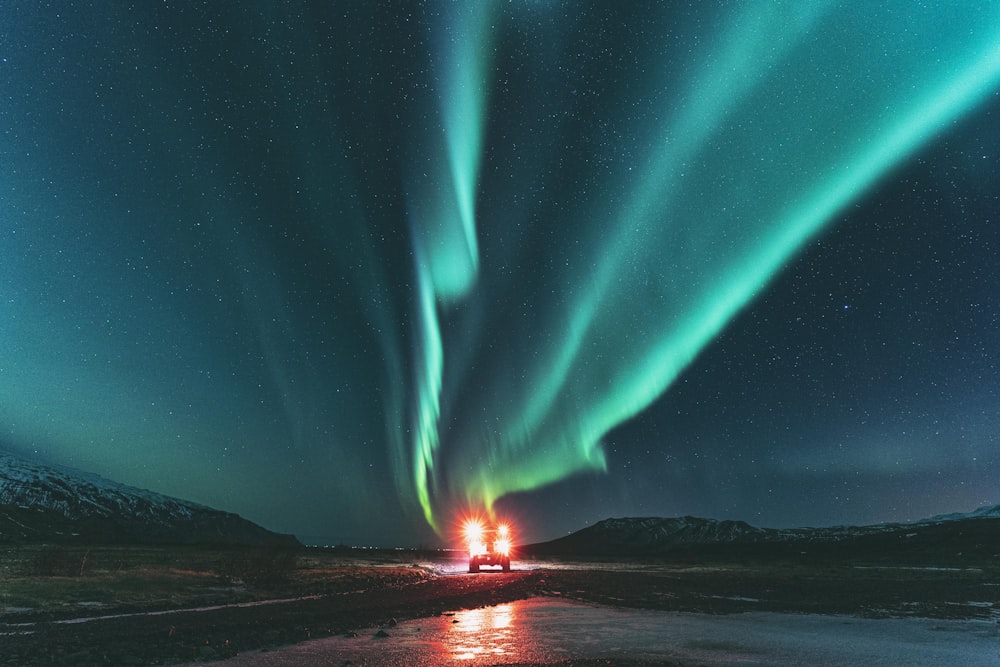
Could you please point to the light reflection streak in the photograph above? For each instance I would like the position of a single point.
(480, 632)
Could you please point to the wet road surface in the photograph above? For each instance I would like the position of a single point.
(544, 630)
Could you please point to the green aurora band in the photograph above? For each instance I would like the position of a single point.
(446, 250)
(791, 114)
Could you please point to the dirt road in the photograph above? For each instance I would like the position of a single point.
(178, 636)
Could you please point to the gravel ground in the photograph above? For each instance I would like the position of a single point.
(182, 636)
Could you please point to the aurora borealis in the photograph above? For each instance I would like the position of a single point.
(348, 270)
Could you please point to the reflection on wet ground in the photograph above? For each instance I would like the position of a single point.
(542, 630)
(481, 633)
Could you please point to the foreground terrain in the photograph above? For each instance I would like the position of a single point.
(160, 605)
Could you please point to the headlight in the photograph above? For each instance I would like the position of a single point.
(473, 531)
(502, 546)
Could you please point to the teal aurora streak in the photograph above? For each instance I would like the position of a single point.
(337, 266)
(787, 117)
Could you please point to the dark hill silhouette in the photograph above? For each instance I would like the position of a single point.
(41, 503)
(948, 538)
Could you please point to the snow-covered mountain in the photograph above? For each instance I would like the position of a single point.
(976, 533)
(984, 512)
(43, 503)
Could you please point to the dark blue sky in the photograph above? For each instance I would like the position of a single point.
(350, 271)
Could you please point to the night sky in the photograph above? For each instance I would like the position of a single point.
(352, 271)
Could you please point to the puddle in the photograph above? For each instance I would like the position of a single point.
(542, 630)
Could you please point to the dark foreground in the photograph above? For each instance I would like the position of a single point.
(161, 608)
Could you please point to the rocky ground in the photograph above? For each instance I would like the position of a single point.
(368, 598)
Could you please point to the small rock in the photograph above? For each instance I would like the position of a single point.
(381, 634)
(207, 652)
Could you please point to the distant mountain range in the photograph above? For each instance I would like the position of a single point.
(949, 537)
(42, 503)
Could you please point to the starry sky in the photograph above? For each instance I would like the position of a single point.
(353, 270)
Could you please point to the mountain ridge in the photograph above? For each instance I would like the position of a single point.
(42, 502)
(959, 534)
